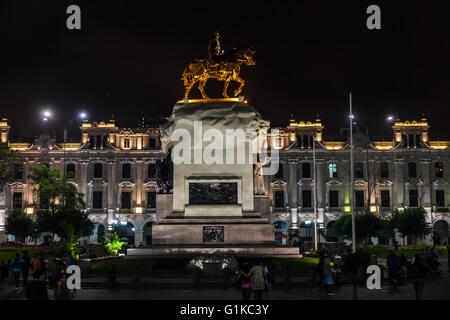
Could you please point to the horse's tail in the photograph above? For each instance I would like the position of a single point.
(186, 76)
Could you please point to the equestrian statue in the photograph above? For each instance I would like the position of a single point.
(220, 66)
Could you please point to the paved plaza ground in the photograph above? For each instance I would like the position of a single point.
(435, 289)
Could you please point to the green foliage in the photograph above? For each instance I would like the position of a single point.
(113, 244)
(411, 222)
(10, 162)
(366, 225)
(50, 187)
(19, 224)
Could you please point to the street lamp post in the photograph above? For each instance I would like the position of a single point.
(315, 191)
(351, 177)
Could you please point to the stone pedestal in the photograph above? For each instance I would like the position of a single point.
(213, 144)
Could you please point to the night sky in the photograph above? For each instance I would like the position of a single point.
(128, 58)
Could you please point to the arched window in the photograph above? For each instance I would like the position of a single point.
(126, 171)
(439, 170)
(332, 168)
(384, 170)
(412, 170)
(359, 170)
(279, 174)
(98, 170)
(70, 170)
(151, 174)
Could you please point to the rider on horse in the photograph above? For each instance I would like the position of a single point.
(214, 51)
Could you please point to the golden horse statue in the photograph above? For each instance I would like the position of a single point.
(225, 68)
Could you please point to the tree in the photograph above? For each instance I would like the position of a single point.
(411, 222)
(19, 224)
(367, 225)
(10, 165)
(113, 243)
(49, 184)
(69, 222)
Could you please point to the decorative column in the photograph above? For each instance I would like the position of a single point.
(321, 190)
(293, 192)
(111, 192)
(399, 186)
(139, 182)
(84, 180)
(425, 188)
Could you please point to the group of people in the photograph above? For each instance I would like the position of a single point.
(254, 279)
(37, 288)
(417, 272)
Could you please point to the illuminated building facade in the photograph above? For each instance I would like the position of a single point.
(117, 171)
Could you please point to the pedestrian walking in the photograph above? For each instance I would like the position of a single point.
(25, 267)
(419, 275)
(36, 264)
(37, 289)
(267, 293)
(16, 265)
(392, 264)
(244, 280)
(258, 280)
(4, 271)
(327, 276)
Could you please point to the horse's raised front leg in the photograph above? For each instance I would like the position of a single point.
(225, 88)
(201, 87)
(242, 82)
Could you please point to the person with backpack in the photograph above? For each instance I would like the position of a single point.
(258, 278)
(244, 280)
(16, 265)
(25, 267)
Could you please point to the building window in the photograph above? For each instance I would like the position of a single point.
(70, 170)
(17, 200)
(279, 174)
(98, 171)
(359, 199)
(439, 170)
(152, 143)
(151, 200)
(18, 172)
(413, 198)
(359, 170)
(92, 142)
(126, 200)
(332, 168)
(279, 199)
(151, 174)
(440, 198)
(385, 199)
(384, 170)
(97, 200)
(126, 143)
(126, 171)
(411, 141)
(412, 170)
(306, 170)
(334, 199)
(306, 199)
(98, 143)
